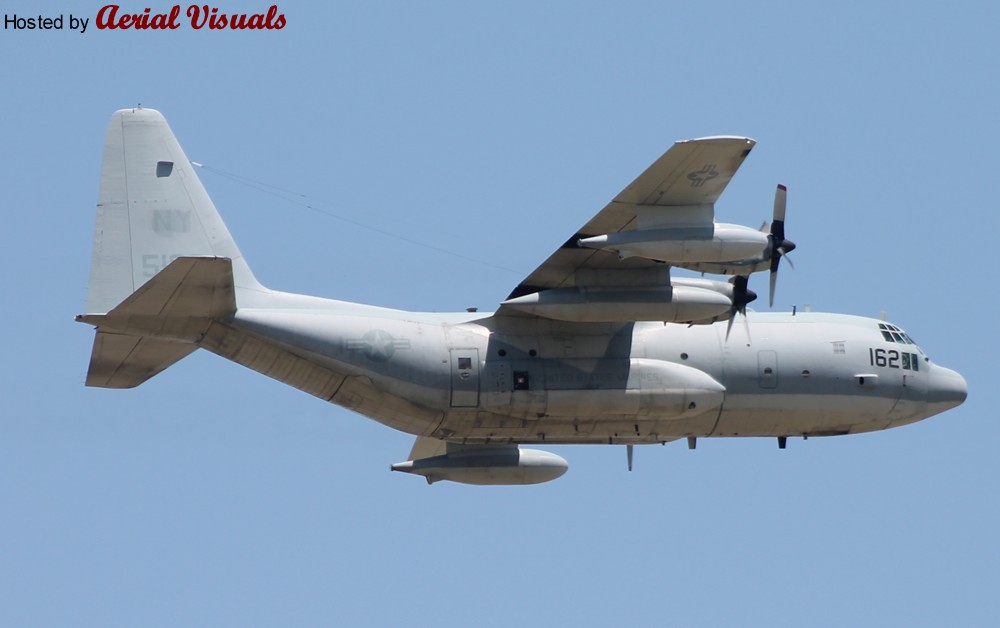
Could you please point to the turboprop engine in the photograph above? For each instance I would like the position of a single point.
(601, 304)
(488, 465)
(777, 247)
(684, 300)
(696, 243)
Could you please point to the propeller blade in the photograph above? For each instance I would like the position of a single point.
(774, 278)
(746, 326)
(780, 246)
(741, 296)
(780, 200)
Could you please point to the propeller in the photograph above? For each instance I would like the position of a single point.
(741, 296)
(780, 246)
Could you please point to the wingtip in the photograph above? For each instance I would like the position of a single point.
(721, 138)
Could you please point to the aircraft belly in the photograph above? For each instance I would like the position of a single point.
(396, 372)
(272, 360)
(485, 428)
(809, 414)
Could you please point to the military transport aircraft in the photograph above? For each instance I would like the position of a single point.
(598, 345)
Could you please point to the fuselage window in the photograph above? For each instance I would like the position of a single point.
(521, 381)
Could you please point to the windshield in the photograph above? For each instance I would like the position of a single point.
(894, 334)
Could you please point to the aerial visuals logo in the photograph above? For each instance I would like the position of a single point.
(199, 16)
(116, 17)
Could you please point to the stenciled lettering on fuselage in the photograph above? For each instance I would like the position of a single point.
(378, 345)
(893, 359)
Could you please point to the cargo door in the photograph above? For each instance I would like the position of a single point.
(464, 378)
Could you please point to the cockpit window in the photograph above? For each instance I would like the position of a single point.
(891, 333)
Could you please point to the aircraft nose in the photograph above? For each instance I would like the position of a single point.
(947, 389)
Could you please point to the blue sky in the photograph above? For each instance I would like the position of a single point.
(480, 136)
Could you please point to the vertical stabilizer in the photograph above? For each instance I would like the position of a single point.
(151, 209)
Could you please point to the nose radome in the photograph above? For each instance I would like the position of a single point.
(947, 389)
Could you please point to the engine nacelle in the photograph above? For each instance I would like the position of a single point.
(719, 243)
(673, 304)
(722, 287)
(492, 465)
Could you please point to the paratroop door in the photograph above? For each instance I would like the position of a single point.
(464, 378)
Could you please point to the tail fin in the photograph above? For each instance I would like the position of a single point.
(151, 210)
(164, 265)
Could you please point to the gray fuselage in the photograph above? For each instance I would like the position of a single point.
(477, 378)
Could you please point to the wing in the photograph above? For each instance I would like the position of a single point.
(679, 189)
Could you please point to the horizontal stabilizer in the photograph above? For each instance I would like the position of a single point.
(177, 303)
(200, 287)
(161, 322)
(121, 361)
